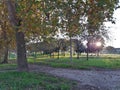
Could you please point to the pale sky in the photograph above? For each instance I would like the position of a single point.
(115, 30)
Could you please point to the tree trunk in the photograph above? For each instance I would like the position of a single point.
(21, 52)
(58, 53)
(63, 53)
(98, 53)
(6, 45)
(78, 55)
(35, 56)
(5, 58)
(20, 41)
(50, 55)
(87, 55)
(70, 48)
(87, 52)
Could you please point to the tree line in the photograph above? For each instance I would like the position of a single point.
(24, 20)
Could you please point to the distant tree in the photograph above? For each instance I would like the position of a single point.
(110, 49)
(70, 13)
(95, 44)
(45, 17)
(62, 45)
(79, 47)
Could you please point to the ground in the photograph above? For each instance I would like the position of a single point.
(87, 79)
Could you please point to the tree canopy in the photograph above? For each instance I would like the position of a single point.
(44, 18)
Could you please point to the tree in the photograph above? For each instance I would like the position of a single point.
(95, 44)
(79, 47)
(38, 18)
(77, 16)
(62, 45)
(20, 18)
(110, 49)
(6, 32)
(70, 13)
(98, 12)
(44, 17)
(20, 40)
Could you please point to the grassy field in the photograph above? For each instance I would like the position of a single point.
(5, 67)
(11, 80)
(33, 81)
(104, 61)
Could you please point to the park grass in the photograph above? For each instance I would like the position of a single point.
(4, 67)
(103, 62)
(33, 81)
(11, 80)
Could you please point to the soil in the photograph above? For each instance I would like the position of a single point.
(94, 79)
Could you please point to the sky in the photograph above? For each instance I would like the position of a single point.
(115, 31)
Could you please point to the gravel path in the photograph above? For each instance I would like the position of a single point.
(103, 80)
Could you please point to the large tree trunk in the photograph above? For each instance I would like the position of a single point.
(20, 41)
(21, 52)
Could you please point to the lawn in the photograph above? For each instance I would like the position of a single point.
(12, 80)
(33, 81)
(5, 67)
(104, 61)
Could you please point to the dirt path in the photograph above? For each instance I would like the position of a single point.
(103, 80)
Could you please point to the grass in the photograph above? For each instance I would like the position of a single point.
(104, 61)
(41, 81)
(7, 67)
(33, 81)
